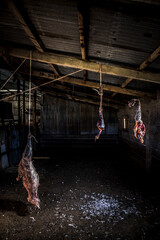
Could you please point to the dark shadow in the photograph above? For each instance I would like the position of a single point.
(17, 206)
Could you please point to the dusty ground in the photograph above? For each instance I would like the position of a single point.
(85, 193)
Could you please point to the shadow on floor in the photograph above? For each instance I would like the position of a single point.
(16, 206)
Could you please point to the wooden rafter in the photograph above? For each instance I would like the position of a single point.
(81, 32)
(142, 66)
(30, 30)
(95, 85)
(80, 64)
(83, 23)
(153, 2)
(26, 25)
(84, 100)
(69, 89)
(82, 35)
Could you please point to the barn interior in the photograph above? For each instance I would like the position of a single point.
(63, 65)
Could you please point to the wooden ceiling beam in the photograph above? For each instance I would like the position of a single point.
(73, 62)
(142, 66)
(84, 100)
(82, 34)
(82, 40)
(26, 25)
(106, 99)
(83, 13)
(93, 84)
(152, 2)
(30, 30)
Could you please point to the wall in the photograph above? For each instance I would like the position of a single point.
(73, 119)
(147, 155)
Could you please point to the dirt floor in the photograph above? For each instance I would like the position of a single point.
(89, 192)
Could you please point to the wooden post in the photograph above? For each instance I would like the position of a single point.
(24, 104)
(19, 103)
(34, 112)
(73, 62)
(148, 144)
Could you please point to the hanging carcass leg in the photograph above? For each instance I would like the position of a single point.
(139, 128)
(29, 176)
(100, 124)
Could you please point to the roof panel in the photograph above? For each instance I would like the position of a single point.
(120, 37)
(10, 28)
(57, 24)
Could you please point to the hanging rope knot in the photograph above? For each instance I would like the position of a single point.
(100, 123)
(101, 90)
(100, 110)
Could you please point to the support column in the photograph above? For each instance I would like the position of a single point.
(19, 103)
(34, 112)
(24, 104)
(148, 144)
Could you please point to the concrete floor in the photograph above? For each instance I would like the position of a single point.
(86, 192)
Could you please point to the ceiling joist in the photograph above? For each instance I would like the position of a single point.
(93, 84)
(82, 35)
(142, 66)
(73, 62)
(28, 27)
(68, 89)
(84, 100)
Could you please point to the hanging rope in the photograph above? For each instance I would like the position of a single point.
(101, 90)
(29, 101)
(26, 169)
(41, 85)
(100, 123)
(12, 74)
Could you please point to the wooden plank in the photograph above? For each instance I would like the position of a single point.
(150, 59)
(24, 104)
(73, 62)
(30, 30)
(19, 104)
(68, 89)
(96, 96)
(54, 69)
(26, 25)
(81, 33)
(142, 66)
(110, 88)
(84, 100)
(95, 85)
(81, 6)
(153, 2)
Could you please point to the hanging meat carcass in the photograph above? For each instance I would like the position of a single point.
(29, 176)
(100, 124)
(139, 128)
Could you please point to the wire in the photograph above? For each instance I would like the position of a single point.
(41, 85)
(12, 74)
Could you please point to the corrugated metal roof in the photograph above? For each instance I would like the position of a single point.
(56, 23)
(120, 37)
(10, 29)
(114, 36)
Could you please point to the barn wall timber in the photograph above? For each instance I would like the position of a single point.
(146, 155)
(65, 118)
